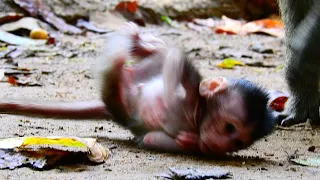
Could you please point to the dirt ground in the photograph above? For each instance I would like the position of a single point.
(72, 80)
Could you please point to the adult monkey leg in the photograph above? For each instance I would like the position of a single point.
(302, 25)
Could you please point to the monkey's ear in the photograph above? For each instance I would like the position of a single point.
(209, 87)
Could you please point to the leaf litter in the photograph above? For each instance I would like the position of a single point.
(45, 152)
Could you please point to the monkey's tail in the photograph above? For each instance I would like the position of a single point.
(58, 110)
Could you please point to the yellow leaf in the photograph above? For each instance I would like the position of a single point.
(229, 63)
(3, 48)
(31, 141)
(279, 68)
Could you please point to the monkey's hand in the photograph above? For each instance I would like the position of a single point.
(159, 140)
(188, 140)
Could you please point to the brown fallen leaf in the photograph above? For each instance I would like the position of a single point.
(27, 81)
(22, 76)
(130, 6)
(12, 80)
(43, 152)
(38, 8)
(129, 10)
(229, 26)
(10, 17)
(273, 27)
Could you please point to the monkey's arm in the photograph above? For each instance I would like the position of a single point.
(68, 110)
(179, 69)
(159, 140)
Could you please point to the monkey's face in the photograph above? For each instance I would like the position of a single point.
(223, 128)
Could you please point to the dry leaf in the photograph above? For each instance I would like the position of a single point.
(227, 25)
(12, 80)
(10, 17)
(39, 152)
(130, 6)
(230, 26)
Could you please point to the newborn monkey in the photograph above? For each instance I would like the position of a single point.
(156, 92)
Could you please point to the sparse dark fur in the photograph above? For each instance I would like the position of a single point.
(256, 101)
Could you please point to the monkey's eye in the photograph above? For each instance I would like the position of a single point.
(238, 143)
(229, 128)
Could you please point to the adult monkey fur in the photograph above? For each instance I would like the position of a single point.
(302, 70)
(163, 100)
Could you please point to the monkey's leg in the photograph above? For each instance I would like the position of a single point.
(303, 68)
(151, 52)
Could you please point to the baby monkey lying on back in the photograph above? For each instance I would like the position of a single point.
(155, 91)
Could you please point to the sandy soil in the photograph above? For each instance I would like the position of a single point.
(72, 80)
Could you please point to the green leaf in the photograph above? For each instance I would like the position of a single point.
(166, 19)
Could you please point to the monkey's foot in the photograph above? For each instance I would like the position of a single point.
(292, 120)
(143, 44)
(289, 120)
